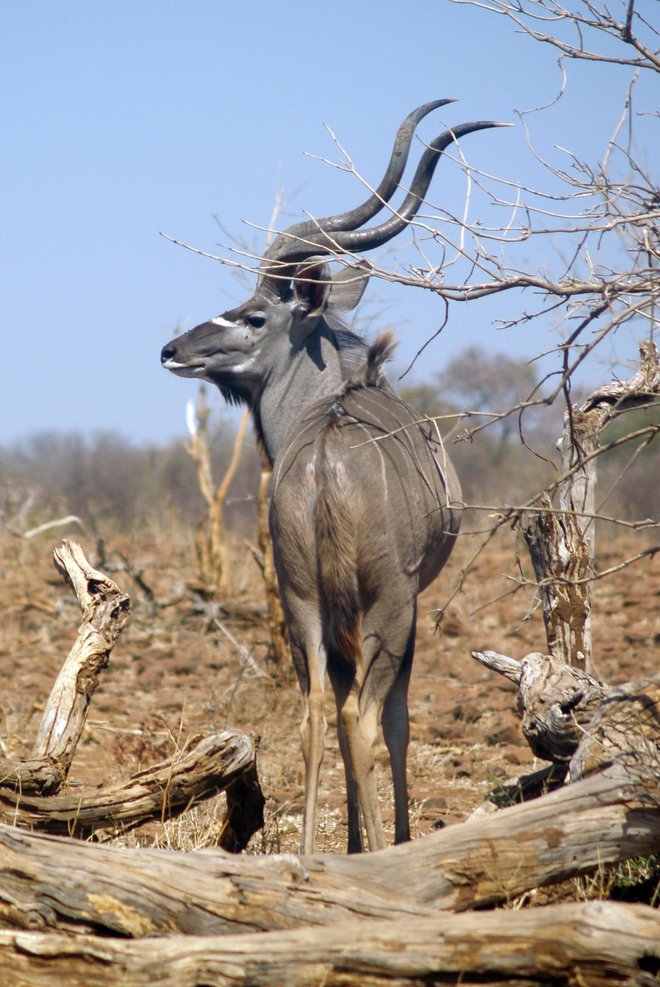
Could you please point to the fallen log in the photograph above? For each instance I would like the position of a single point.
(31, 774)
(597, 944)
(55, 883)
(208, 767)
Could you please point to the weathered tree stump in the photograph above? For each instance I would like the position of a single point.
(105, 611)
(569, 716)
(556, 700)
(625, 728)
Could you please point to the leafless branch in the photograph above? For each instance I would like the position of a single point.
(539, 17)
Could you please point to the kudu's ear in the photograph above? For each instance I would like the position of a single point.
(311, 287)
(348, 287)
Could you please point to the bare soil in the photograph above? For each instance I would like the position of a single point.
(185, 667)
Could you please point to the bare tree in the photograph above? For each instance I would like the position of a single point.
(601, 219)
(211, 539)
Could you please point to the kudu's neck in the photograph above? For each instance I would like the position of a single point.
(301, 377)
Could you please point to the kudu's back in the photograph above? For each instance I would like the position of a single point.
(364, 481)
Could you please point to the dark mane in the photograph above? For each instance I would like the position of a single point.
(370, 370)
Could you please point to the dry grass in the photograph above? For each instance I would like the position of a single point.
(185, 666)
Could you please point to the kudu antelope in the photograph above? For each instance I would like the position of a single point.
(365, 503)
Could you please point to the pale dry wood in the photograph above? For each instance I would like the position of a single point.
(570, 716)
(556, 700)
(54, 883)
(223, 762)
(105, 610)
(626, 727)
(510, 668)
(31, 775)
(210, 541)
(598, 944)
(560, 551)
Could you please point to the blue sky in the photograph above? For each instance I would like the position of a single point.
(123, 119)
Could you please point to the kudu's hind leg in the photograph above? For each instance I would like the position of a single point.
(355, 844)
(388, 655)
(311, 675)
(396, 733)
(360, 725)
(357, 728)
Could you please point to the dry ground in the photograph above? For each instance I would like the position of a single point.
(182, 668)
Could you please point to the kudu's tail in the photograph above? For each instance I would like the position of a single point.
(337, 555)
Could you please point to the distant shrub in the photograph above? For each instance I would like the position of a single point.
(105, 479)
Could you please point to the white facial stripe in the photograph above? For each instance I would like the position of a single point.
(174, 365)
(223, 323)
(240, 367)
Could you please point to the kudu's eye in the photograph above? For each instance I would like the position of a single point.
(256, 320)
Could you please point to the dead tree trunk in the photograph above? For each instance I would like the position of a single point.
(599, 944)
(211, 536)
(562, 543)
(105, 611)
